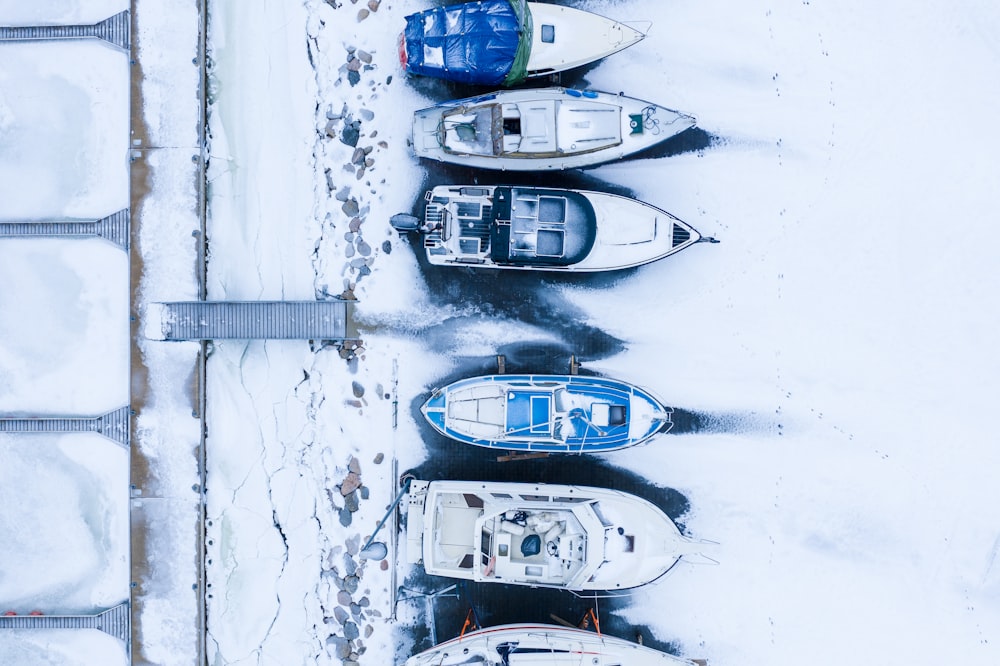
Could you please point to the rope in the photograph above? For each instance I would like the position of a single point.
(649, 122)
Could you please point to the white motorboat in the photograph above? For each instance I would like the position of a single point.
(539, 129)
(494, 42)
(544, 229)
(543, 535)
(541, 645)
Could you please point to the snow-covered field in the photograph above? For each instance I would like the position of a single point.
(836, 346)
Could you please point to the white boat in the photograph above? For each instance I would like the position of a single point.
(493, 42)
(541, 645)
(544, 229)
(540, 129)
(542, 535)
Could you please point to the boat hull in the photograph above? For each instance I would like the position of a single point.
(503, 227)
(570, 647)
(546, 413)
(593, 37)
(541, 535)
(542, 129)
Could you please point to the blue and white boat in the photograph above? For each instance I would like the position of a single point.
(546, 413)
(505, 42)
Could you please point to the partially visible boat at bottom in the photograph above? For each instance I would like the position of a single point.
(541, 645)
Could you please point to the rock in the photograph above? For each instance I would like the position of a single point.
(373, 5)
(384, 565)
(331, 128)
(379, 458)
(351, 584)
(353, 544)
(354, 465)
(361, 173)
(359, 156)
(383, 144)
(365, 493)
(355, 224)
(350, 483)
(353, 78)
(352, 502)
(350, 207)
(368, 149)
(355, 609)
(352, 130)
(369, 630)
(343, 194)
(387, 248)
(388, 79)
(353, 65)
(345, 517)
(363, 271)
(369, 163)
(344, 598)
(364, 602)
(340, 614)
(364, 249)
(349, 236)
(349, 251)
(363, 14)
(366, 114)
(351, 631)
(344, 649)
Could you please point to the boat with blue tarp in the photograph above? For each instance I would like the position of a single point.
(546, 413)
(505, 42)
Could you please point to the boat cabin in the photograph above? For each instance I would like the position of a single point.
(531, 129)
(511, 226)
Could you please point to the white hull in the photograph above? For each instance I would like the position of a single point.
(541, 535)
(538, 644)
(542, 129)
(577, 38)
(621, 232)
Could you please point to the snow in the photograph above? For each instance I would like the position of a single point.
(55, 103)
(64, 331)
(69, 526)
(838, 342)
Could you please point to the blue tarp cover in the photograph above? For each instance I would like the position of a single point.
(483, 43)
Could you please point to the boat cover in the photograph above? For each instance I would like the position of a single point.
(485, 43)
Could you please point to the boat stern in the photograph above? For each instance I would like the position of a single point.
(415, 500)
(425, 136)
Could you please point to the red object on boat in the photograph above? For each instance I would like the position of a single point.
(402, 49)
(9, 614)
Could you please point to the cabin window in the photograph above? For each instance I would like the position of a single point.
(597, 510)
(502, 495)
(548, 33)
(535, 498)
(486, 545)
(473, 501)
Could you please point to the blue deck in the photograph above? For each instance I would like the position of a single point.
(554, 413)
